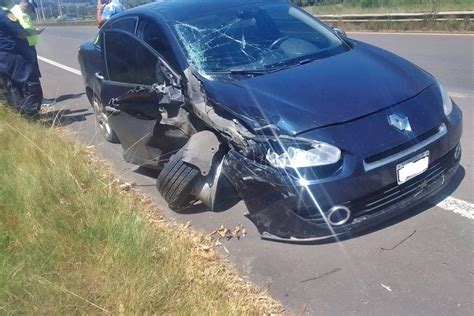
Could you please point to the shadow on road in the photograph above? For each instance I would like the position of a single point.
(64, 117)
(66, 97)
(147, 172)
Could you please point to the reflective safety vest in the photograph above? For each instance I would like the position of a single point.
(26, 22)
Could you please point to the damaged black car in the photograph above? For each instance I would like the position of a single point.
(320, 135)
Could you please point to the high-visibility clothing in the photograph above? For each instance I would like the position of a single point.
(26, 22)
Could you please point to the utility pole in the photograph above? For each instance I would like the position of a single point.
(51, 11)
(60, 11)
(42, 9)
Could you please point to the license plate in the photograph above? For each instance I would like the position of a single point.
(409, 169)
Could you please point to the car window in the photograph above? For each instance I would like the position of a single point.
(129, 61)
(128, 25)
(152, 34)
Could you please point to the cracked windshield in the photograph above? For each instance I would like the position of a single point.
(254, 39)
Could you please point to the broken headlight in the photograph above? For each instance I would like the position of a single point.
(313, 154)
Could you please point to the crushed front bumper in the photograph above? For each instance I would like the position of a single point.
(284, 210)
(283, 207)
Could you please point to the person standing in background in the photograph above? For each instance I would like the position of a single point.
(24, 11)
(16, 67)
(106, 9)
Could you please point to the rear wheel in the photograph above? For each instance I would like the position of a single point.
(176, 182)
(103, 121)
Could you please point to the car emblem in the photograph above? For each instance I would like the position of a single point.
(401, 123)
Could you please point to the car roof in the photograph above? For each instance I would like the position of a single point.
(183, 9)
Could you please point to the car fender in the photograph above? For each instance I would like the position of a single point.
(200, 150)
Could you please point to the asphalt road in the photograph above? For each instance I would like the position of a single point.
(419, 264)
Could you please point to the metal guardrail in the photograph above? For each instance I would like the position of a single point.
(353, 18)
(433, 16)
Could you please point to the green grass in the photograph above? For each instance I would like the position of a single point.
(72, 243)
(390, 6)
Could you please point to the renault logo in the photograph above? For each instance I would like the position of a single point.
(399, 122)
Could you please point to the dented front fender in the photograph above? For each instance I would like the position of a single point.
(200, 150)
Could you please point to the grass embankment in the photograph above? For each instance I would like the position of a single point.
(73, 242)
(391, 6)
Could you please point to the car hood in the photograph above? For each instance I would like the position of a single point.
(337, 89)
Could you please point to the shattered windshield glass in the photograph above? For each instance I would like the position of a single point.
(254, 39)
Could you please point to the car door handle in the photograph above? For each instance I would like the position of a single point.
(111, 110)
(99, 76)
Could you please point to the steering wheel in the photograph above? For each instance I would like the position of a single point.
(277, 42)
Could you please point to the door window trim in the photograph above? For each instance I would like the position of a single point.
(112, 26)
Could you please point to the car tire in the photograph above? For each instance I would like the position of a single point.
(102, 121)
(176, 182)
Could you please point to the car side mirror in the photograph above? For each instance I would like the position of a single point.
(340, 32)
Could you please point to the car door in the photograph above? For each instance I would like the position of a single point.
(127, 24)
(132, 67)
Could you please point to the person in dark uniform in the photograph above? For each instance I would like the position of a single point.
(17, 69)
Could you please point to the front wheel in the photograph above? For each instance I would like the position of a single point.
(103, 121)
(176, 182)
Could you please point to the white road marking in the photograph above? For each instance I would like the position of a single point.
(457, 206)
(454, 205)
(459, 95)
(64, 67)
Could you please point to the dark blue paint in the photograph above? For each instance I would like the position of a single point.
(343, 100)
(327, 91)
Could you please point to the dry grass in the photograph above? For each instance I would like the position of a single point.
(74, 240)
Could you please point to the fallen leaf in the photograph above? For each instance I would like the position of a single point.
(236, 230)
(205, 247)
(212, 233)
(386, 287)
(126, 186)
(225, 249)
(223, 232)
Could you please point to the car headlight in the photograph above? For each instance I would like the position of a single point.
(318, 154)
(447, 102)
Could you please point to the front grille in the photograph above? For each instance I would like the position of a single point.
(396, 193)
(402, 147)
(392, 194)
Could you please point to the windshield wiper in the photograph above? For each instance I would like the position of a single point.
(250, 71)
(306, 61)
(264, 71)
(254, 72)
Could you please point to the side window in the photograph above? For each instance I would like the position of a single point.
(128, 25)
(129, 61)
(152, 34)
